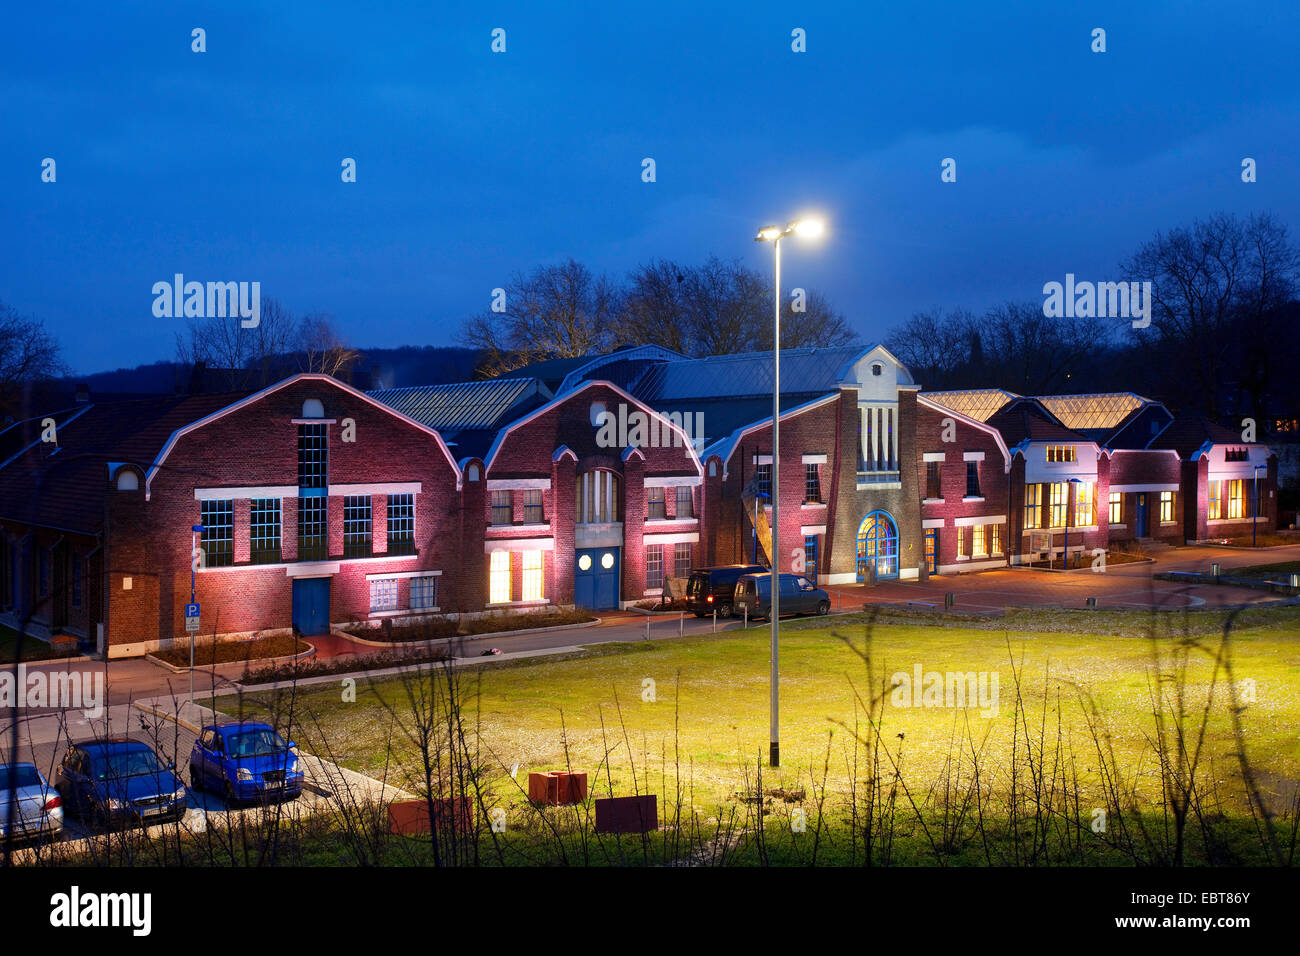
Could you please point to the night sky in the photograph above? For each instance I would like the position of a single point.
(471, 165)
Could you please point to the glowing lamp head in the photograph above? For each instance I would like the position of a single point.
(807, 228)
(768, 234)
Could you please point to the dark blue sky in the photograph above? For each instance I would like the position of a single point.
(472, 165)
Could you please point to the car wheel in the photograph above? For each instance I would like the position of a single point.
(725, 609)
(196, 779)
(824, 607)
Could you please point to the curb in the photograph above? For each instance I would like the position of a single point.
(310, 652)
(436, 641)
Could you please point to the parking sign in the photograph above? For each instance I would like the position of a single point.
(191, 617)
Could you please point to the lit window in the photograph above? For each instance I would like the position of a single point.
(1083, 499)
(765, 481)
(424, 593)
(979, 547)
(356, 526)
(1116, 507)
(1215, 510)
(1166, 506)
(654, 566)
(533, 506)
(961, 541)
(218, 520)
(401, 524)
(532, 575)
(383, 594)
(1033, 506)
(1059, 492)
(995, 539)
(264, 530)
(1061, 453)
(499, 578)
(1236, 498)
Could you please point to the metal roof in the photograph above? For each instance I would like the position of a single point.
(803, 371)
(462, 405)
(980, 404)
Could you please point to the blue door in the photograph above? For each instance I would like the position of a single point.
(595, 578)
(311, 605)
(877, 546)
(1140, 522)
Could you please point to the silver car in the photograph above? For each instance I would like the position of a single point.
(29, 807)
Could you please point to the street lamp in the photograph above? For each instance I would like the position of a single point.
(806, 229)
(1254, 515)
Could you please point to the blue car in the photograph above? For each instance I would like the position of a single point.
(117, 780)
(245, 761)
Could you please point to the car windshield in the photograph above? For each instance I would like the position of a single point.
(255, 743)
(24, 775)
(126, 763)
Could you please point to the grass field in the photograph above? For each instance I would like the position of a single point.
(688, 718)
(33, 650)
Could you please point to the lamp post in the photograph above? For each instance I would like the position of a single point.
(810, 229)
(1254, 515)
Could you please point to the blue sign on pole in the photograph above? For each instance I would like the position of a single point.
(191, 610)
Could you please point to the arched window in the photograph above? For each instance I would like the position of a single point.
(128, 480)
(471, 473)
(598, 497)
(313, 408)
(877, 546)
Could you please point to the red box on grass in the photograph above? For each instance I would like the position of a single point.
(409, 817)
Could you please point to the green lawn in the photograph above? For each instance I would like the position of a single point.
(705, 733)
(1264, 572)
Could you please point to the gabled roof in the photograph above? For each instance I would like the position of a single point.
(64, 486)
(1188, 433)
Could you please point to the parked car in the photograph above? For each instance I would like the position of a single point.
(708, 589)
(798, 595)
(36, 807)
(119, 780)
(245, 761)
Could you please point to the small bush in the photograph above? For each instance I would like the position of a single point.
(230, 652)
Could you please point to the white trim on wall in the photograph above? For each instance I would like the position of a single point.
(680, 537)
(1167, 486)
(980, 519)
(518, 544)
(934, 456)
(672, 481)
(808, 529)
(762, 459)
(814, 459)
(931, 523)
(246, 491)
(519, 484)
(972, 456)
(403, 574)
(377, 488)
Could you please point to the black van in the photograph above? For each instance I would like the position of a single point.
(709, 589)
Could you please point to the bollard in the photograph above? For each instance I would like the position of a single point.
(1214, 571)
(715, 620)
(647, 627)
(1091, 602)
(949, 600)
(746, 615)
(681, 624)
(1295, 580)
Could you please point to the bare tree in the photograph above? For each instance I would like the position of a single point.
(654, 305)
(28, 354)
(322, 348)
(245, 358)
(934, 345)
(1212, 280)
(558, 311)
